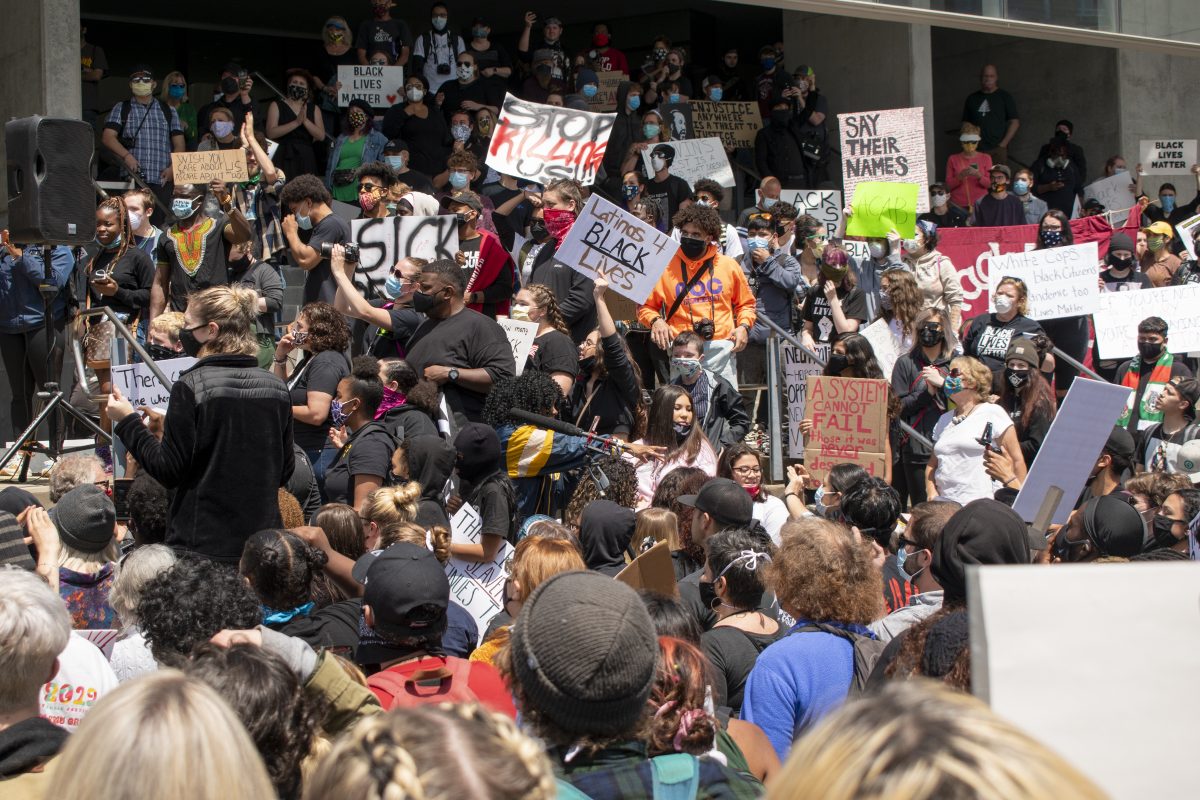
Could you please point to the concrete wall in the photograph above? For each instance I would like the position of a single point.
(1154, 100)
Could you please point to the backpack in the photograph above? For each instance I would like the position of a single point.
(676, 777)
(126, 105)
(866, 652)
(413, 685)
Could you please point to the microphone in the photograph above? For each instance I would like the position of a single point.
(550, 423)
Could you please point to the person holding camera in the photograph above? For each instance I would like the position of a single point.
(234, 84)
(792, 145)
(311, 229)
(702, 291)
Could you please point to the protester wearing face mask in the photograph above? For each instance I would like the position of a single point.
(260, 277)
(553, 352)
(625, 131)
(773, 272)
(383, 34)
(998, 207)
(1035, 207)
(461, 173)
(1104, 527)
(297, 124)
(469, 92)
(1027, 398)
(956, 469)
(220, 497)
(162, 337)
(675, 431)
(883, 254)
(936, 276)
(670, 193)
(778, 147)
(547, 78)
(391, 318)
(771, 82)
(365, 446)
(336, 51)
(423, 128)
(1174, 528)
(221, 133)
(719, 407)
(561, 203)
(651, 132)
(233, 92)
(140, 205)
(767, 196)
(810, 241)
(917, 381)
(175, 94)
(914, 560)
(1069, 334)
(487, 266)
(117, 275)
(434, 51)
(152, 129)
(987, 337)
(396, 156)
(464, 139)
(1169, 207)
(491, 57)
(310, 223)
(550, 52)
(359, 144)
(835, 306)
(941, 212)
(967, 172)
(1159, 263)
(1147, 373)
(1057, 178)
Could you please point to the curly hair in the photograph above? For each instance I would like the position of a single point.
(327, 329)
(378, 170)
(711, 187)
(622, 486)
(189, 603)
(647, 208)
(1157, 486)
(681, 481)
(304, 187)
(532, 391)
(706, 219)
(148, 505)
(543, 298)
(462, 160)
(289, 509)
(680, 724)
(906, 299)
(911, 660)
(365, 383)
(975, 374)
(280, 568)
(418, 392)
(823, 572)
(269, 699)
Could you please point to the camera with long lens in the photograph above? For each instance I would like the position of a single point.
(351, 251)
(704, 328)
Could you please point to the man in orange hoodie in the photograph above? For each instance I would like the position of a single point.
(716, 299)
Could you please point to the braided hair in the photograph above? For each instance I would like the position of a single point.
(281, 567)
(544, 297)
(116, 204)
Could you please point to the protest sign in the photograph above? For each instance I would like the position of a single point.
(884, 145)
(849, 424)
(380, 87)
(678, 117)
(542, 143)
(797, 369)
(1117, 317)
(1049, 647)
(384, 241)
(1115, 193)
(1167, 156)
(520, 337)
(824, 204)
(228, 166)
(606, 94)
(478, 588)
(141, 388)
(1069, 452)
(652, 570)
(1062, 281)
(609, 243)
(879, 208)
(694, 159)
(1187, 233)
(883, 341)
(735, 123)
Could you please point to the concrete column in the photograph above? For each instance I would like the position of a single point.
(921, 84)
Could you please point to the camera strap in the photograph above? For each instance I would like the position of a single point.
(689, 284)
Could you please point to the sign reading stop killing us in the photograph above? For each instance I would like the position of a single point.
(543, 143)
(606, 242)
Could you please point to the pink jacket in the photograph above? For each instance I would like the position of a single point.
(964, 193)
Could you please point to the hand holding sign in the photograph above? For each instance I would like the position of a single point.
(881, 209)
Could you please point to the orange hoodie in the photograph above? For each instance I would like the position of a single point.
(724, 296)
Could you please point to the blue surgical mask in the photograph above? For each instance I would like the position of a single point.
(182, 207)
(901, 557)
(759, 241)
(629, 190)
(767, 63)
(589, 90)
(767, 202)
(113, 245)
(952, 386)
(1168, 202)
(716, 94)
(673, 97)
(459, 180)
(634, 102)
(1020, 186)
(650, 130)
(175, 92)
(395, 162)
(304, 223)
(393, 287)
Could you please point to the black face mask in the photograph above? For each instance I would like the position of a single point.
(691, 247)
(537, 229)
(708, 595)
(1163, 532)
(229, 85)
(587, 364)
(837, 363)
(239, 264)
(1016, 378)
(1119, 264)
(424, 303)
(1149, 351)
(930, 336)
(159, 353)
(191, 345)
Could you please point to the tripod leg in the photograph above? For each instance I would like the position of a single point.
(29, 435)
(84, 419)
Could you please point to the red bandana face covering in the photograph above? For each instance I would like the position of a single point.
(559, 223)
(753, 491)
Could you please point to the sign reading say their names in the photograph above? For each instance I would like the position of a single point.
(798, 368)
(380, 87)
(141, 388)
(1167, 156)
(735, 123)
(520, 337)
(1117, 317)
(694, 159)
(384, 241)
(884, 145)
(1062, 281)
(478, 588)
(542, 143)
(228, 166)
(609, 243)
(824, 204)
(849, 424)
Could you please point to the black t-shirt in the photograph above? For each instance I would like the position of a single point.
(1133, 281)
(197, 260)
(480, 91)
(134, 274)
(388, 36)
(666, 197)
(417, 181)
(495, 511)
(318, 283)
(554, 351)
(988, 338)
(466, 340)
(953, 218)
(369, 452)
(733, 653)
(516, 221)
(321, 373)
(817, 311)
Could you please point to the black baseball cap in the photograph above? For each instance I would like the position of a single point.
(141, 69)
(407, 590)
(395, 146)
(723, 500)
(1120, 442)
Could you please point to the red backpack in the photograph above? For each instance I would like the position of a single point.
(424, 681)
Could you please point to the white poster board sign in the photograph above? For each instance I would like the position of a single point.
(1186, 231)
(1061, 280)
(797, 368)
(1117, 317)
(887, 145)
(141, 388)
(606, 242)
(1053, 674)
(384, 241)
(543, 143)
(520, 337)
(824, 204)
(1068, 454)
(380, 87)
(694, 159)
(1114, 193)
(887, 348)
(1167, 156)
(478, 588)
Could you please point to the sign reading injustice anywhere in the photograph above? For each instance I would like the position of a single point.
(609, 243)
(824, 204)
(542, 143)
(734, 123)
(142, 388)
(884, 146)
(382, 242)
(228, 166)
(695, 159)
(849, 417)
(1062, 281)
(380, 87)
(1167, 156)
(797, 369)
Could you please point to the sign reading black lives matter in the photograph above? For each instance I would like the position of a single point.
(542, 143)
(884, 146)
(605, 242)
(382, 242)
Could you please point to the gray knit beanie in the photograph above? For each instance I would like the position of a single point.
(584, 651)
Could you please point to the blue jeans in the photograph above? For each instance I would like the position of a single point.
(321, 459)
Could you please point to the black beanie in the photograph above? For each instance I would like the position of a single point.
(584, 652)
(981, 532)
(478, 448)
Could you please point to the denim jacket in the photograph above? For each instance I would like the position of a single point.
(21, 307)
(372, 151)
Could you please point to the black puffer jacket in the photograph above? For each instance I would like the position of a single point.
(226, 450)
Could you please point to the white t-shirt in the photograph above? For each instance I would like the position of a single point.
(960, 475)
(772, 514)
(83, 677)
(131, 657)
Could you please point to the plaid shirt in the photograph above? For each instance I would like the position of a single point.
(151, 132)
(264, 217)
(624, 772)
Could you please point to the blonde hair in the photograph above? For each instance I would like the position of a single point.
(164, 88)
(975, 374)
(443, 752)
(567, 189)
(34, 629)
(86, 563)
(289, 509)
(921, 741)
(132, 573)
(1022, 293)
(163, 735)
(436, 539)
(660, 524)
(169, 324)
(543, 298)
(389, 506)
(234, 309)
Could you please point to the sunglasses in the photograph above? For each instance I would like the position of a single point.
(370, 187)
(141, 80)
(760, 215)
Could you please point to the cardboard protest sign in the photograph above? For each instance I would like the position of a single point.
(542, 143)
(606, 96)
(883, 341)
(478, 588)
(1167, 156)
(1186, 231)
(1049, 647)
(695, 159)
(879, 208)
(617, 246)
(652, 570)
(520, 337)
(1061, 280)
(1069, 452)
(1115, 193)
(884, 146)
(141, 388)
(228, 166)
(797, 369)
(1117, 317)
(735, 123)
(824, 204)
(384, 241)
(678, 117)
(849, 417)
(380, 87)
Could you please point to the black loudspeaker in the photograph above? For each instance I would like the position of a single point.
(51, 197)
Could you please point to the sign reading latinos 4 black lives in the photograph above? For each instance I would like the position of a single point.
(884, 146)
(544, 143)
(382, 242)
